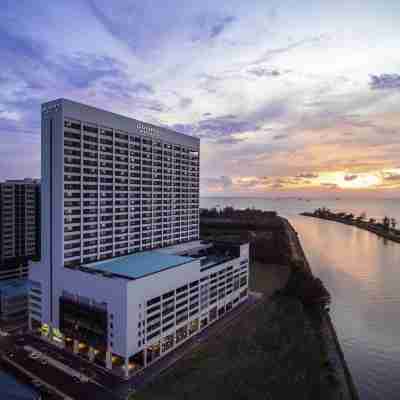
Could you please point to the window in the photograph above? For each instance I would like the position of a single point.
(152, 309)
(169, 294)
(165, 328)
(181, 289)
(153, 335)
(155, 300)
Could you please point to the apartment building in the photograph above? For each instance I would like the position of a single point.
(122, 270)
(19, 226)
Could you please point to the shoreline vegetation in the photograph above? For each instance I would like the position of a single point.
(385, 228)
(282, 347)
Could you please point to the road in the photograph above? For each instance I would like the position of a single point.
(12, 349)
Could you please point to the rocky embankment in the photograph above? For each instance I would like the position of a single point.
(304, 297)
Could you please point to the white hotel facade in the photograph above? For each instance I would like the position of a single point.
(123, 277)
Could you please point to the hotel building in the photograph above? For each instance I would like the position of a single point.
(123, 277)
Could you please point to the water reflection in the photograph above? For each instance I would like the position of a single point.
(362, 273)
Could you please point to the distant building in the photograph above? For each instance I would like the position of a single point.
(19, 226)
(14, 304)
(123, 278)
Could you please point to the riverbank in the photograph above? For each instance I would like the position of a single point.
(358, 224)
(274, 351)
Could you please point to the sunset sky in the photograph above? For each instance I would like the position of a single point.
(290, 98)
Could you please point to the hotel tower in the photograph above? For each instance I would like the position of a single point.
(123, 276)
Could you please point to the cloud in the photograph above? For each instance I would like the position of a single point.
(218, 127)
(280, 136)
(274, 52)
(82, 70)
(385, 81)
(141, 87)
(265, 72)
(308, 175)
(139, 26)
(220, 26)
(330, 185)
(225, 125)
(350, 177)
(392, 177)
(217, 184)
(229, 125)
(185, 102)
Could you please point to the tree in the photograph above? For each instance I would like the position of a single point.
(350, 217)
(386, 223)
(393, 222)
(362, 217)
(228, 211)
(309, 290)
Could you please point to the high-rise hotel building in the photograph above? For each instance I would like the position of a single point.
(123, 276)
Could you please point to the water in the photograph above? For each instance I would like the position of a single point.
(362, 272)
(11, 389)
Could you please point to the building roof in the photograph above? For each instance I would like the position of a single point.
(84, 112)
(138, 265)
(14, 287)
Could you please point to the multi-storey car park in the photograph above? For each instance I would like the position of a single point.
(123, 277)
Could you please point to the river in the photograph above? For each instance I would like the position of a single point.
(362, 272)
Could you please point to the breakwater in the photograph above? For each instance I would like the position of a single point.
(361, 225)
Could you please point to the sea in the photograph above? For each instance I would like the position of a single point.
(362, 273)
